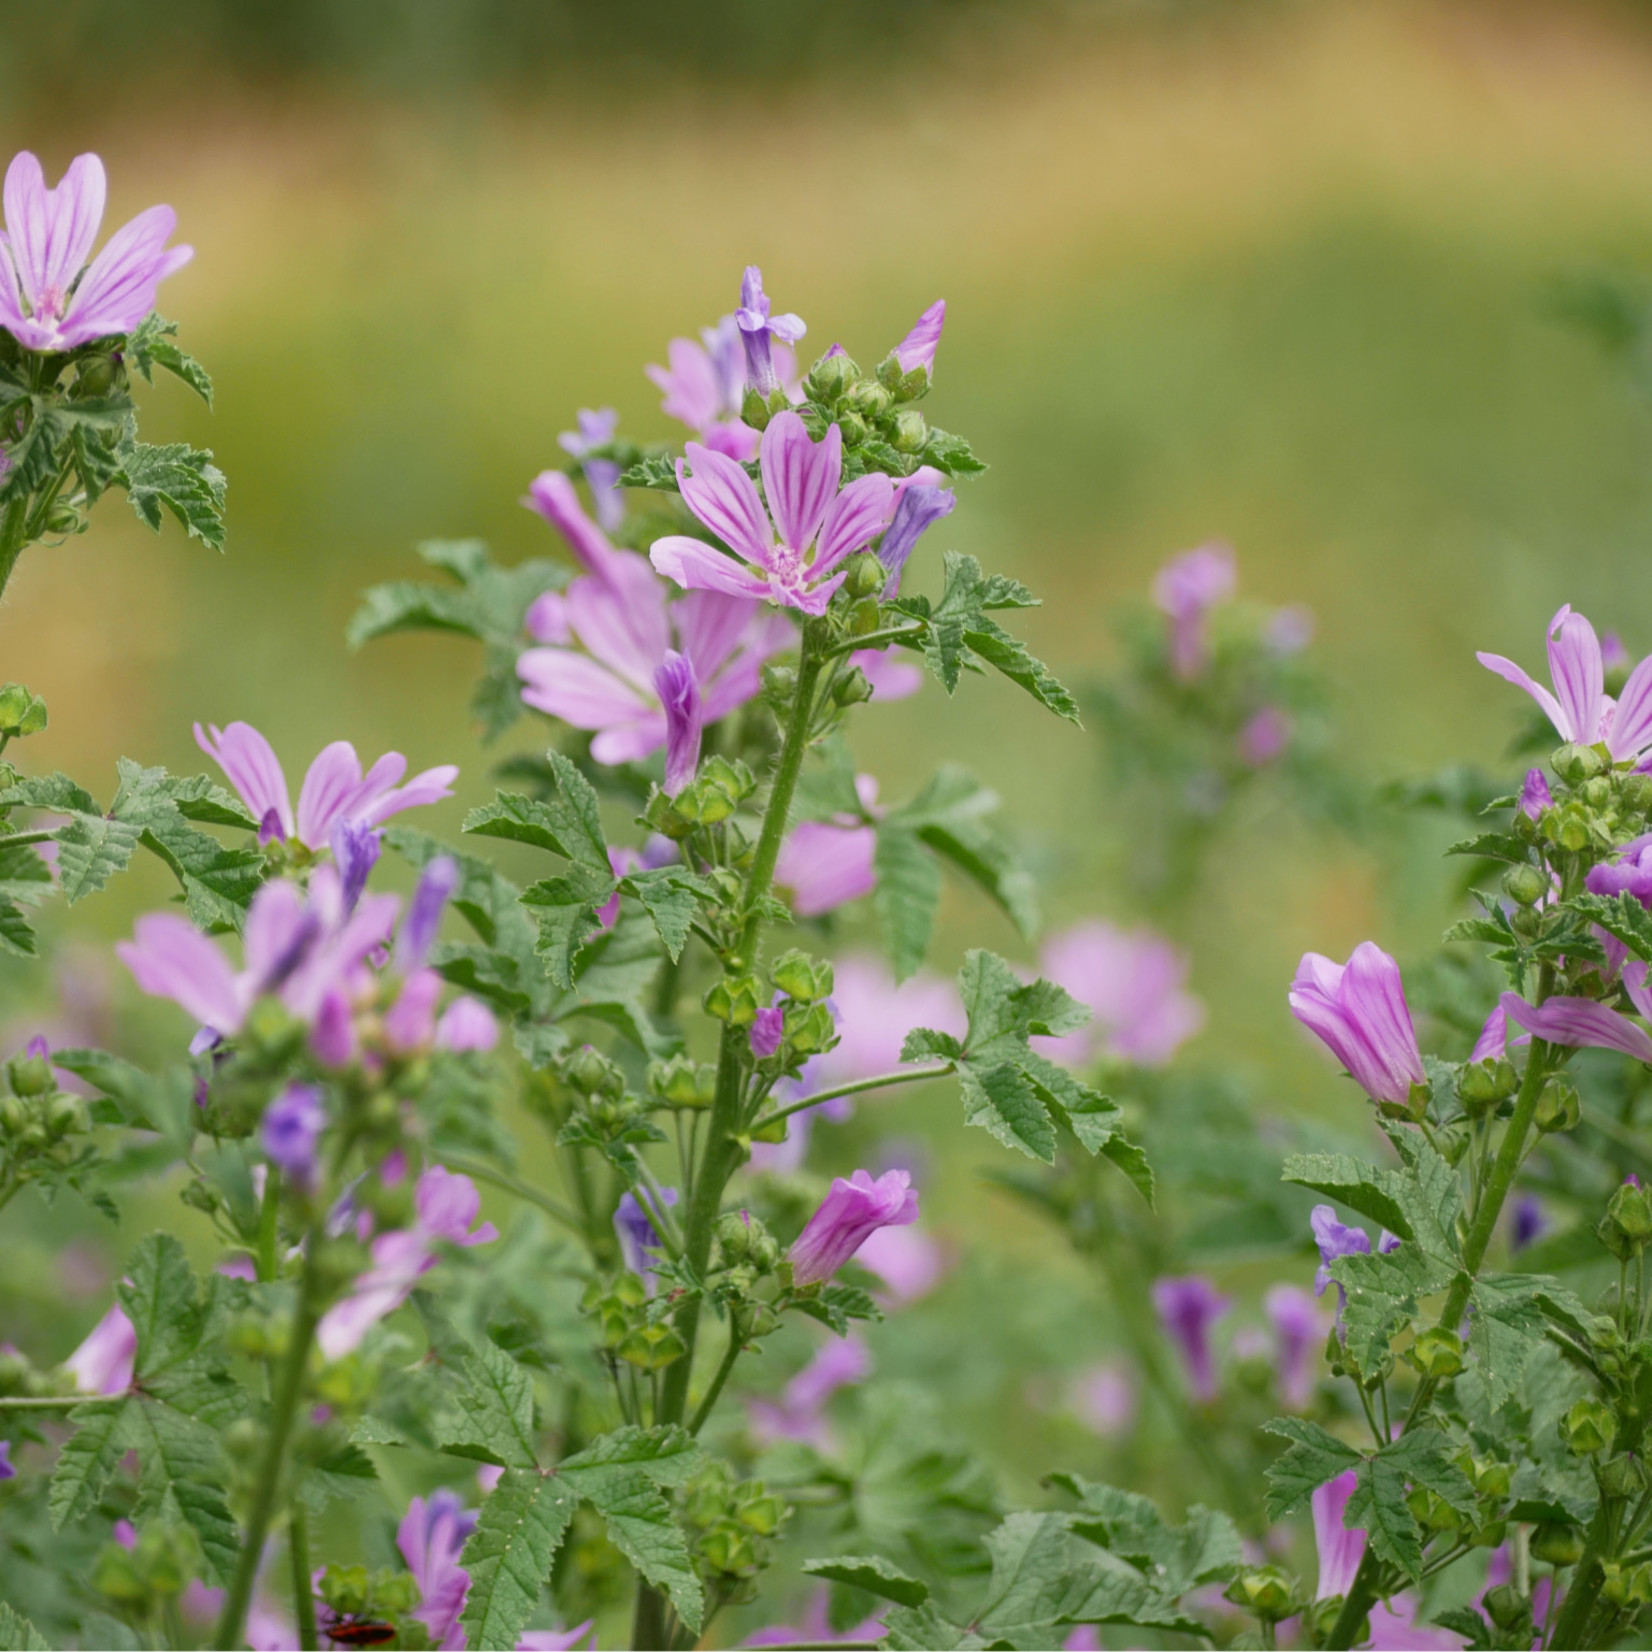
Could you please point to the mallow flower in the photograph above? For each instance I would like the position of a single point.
(596, 429)
(759, 329)
(1358, 1011)
(291, 1128)
(642, 672)
(104, 1362)
(51, 299)
(1583, 1023)
(920, 503)
(828, 863)
(800, 1412)
(1298, 1334)
(431, 1538)
(1187, 1309)
(1336, 1239)
(1134, 983)
(705, 385)
(918, 348)
(335, 790)
(818, 526)
(1186, 589)
(1580, 708)
(851, 1212)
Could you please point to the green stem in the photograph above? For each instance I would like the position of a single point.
(1362, 1593)
(736, 1342)
(298, 1552)
(16, 840)
(46, 1402)
(269, 1226)
(904, 1075)
(872, 639)
(13, 538)
(522, 1190)
(283, 1411)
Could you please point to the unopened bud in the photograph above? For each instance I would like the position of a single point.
(1438, 1353)
(1621, 1476)
(1511, 1611)
(1482, 1084)
(852, 427)
(1266, 1592)
(1558, 1108)
(593, 1074)
(1632, 1211)
(866, 574)
(14, 703)
(652, 1347)
(1589, 1427)
(1412, 1109)
(734, 1000)
(1557, 1544)
(779, 683)
(1635, 792)
(1576, 764)
(754, 409)
(830, 377)
(1432, 1512)
(1525, 885)
(30, 1075)
(870, 399)
(1491, 1478)
(801, 977)
(911, 431)
(852, 688)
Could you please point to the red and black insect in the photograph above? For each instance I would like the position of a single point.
(350, 1630)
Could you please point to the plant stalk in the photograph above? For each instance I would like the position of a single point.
(298, 1552)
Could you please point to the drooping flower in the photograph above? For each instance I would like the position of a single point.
(1187, 1309)
(1134, 984)
(1103, 1398)
(920, 503)
(853, 1210)
(818, 525)
(1358, 1010)
(1336, 1239)
(759, 328)
(1298, 1332)
(611, 683)
(1186, 589)
(1581, 1023)
(596, 429)
(334, 789)
(291, 1128)
(431, 1537)
(467, 1024)
(103, 1363)
(638, 1237)
(679, 691)
(445, 1207)
(1264, 738)
(1580, 708)
(800, 1412)
(50, 298)
(828, 863)
(918, 348)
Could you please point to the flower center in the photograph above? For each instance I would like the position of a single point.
(50, 305)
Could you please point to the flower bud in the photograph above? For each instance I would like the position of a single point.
(725, 1548)
(1635, 793)
(1573, 834)
(1432, 1512)
(652, 1347)
(1631, 1210)
(1597, 793)
(830, 378)
(1511, 1611)
(1266, 1592)
(1621, 1476)
(14, 704)
(1576, 764)
(811, 1030)
(911, 431)
(30, 1075)
(870, 399)
(1438, 1353)
(1589, 1428)
(593, 1074)
(1558, 1108)
(1491, 1478)
(1557, 1543)
(66, 1115)
(733, 999)
(852, 427)
(754, 409)
(801, 977)
(1525, 885)
(764, 1513)
(866, 574)
(779, 683)
(1481, 1085)
(1489, 1535)
(852, 688)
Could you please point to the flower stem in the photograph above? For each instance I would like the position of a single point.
(298, 1552)
(13, 537)
(736, 1342)
(522, 1190)
(283, 1411)
(903, 1075)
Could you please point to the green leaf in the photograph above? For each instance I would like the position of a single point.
(162, 1299)
(496, 1400)
(992, 643)
(653, 470)
(88, 1458)
(872, 1573)
(48, 791)
(578, 817)
(1378, 1507)
(906, 895)
(16, 933)
(181, 479)
(152, 343)
(1002, 1101)
(508, 1556)
(1177, 1558)
(518, 819)
(1359, 1186)
(566, 909)
(91, 849)
(17, 1634)
(951, 454)
(923, 1629)
(948, 815)
(181, 1477)
(1382, 1295)
(1312, 1458)
(1506, 1327)
(1621, 916)
(1423, 1455)
(672, 896)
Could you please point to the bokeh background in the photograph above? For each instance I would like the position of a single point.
(1290, 275)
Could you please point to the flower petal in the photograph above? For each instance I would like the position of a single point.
(252, 768)
(118, 289)
(1578, 673)
(1580, 1023)
(578, 690)
(1511, 673)
(700, 567)
(710, 625)
(330, 786)
(170, 958)
(629, 630)
(800, 477)
(856, 516)
(725, 499)
(52, 230)
(1632, 721)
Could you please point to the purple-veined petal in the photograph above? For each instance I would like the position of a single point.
(52, 230)
(1578, 673)
(424, 913)
(1341, 1548)
(917, 349)
(679, 693)
(916, 508)
(428, 786)
(726, 500)
(1580, 1023)
(1632, 721)
(551, 494)
(697, 566)
(118, 289)
(578, 690)
(1494, 1037)
(710, 625)
(252, 768)
(856, 517)
(628, 630)
(850, 1213)
(170, 958)
(330, 787)
(1511, 673)
(800, 477)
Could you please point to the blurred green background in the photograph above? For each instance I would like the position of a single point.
(1275, 273)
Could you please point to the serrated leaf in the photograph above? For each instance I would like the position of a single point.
(1312, 1458)
(88, 1458)
(1424, 1456)
(642, 1527)
(905, 896)
(1377, 1505)
(672, 896)
(1621, 916)
(872, 1573)
(181, 1476)
(509, 1555)
(1349, 1181)
(1506, 1327)
(566, 910)
(162, 1299)
(951, 454)
(16, 933)
(518, 819)
(496, 1401)
(1002, 1101)
(179, 479)
(17, 1634)
(92, 849)
(1206, 1549)
(1009, 655)
(153, 343)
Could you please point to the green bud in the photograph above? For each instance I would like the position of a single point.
(15, 1116)
(810, 1031)
(1576, 764)
(911, 431)
(593, 1074)
(15, 700)
(97, 377)
(63, 519)
(66, 1115)
(1526, 922)
(1597, 793)
(906, 387)
(34, 719)
(1490, 1535)
(652, 1347)
(866, 574)
(1635, 792)
(1621, 1476)
(870, 399)
(1574, 832)
(1525, 885)
(1438, 1353)
(1589, 1428)
(1266, 1592)
(1491, 1478)
(830, 377)
(1558, 1108)
(1511, 1611)
(1432, 1512)
(15, 1372)
(734, 1235)
(779, 683)
(764, 1513)
(30, 1075)
(852, 427)
(1557, 1544)
(754, 409)
(1481, 1085)
(1631, 1210)
(727, 1549)
(851, 688)
(801, 977)
(733, 999)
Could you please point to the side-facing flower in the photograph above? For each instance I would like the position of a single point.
(291, 1128)
(1582, 1023)
(705, 385)
(334, 790)
(596, 429)
(1186, 589)
(637, 1235)
(679, 691)
(918, 348)
(1580, 708)
(1187, 1309)
(758, 330)
(1134, 984)
(818, 525)
(1358, 1010)
(828, 863)
(849, 1214)
(431, 1537)
(103, 1363)
(1336, 1239)
(47, 303)
(767, 1031)
(919, 505)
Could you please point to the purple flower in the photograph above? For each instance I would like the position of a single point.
(559, 1640)
(8, 1470)
(410, 1023)
(847, 1217)
(1298, 1331)
(679, 693)
(909, 1262)
(1535, 796)
(1264, 738)
(1580, 708)
(1104, 1398)
(551, 495)
(1186, 589)
(1341, 1548)
(424, 913)
(49, 236)
(1580, 1023)
(292, 1126)
(705, 385)
(1358, 1010)
(1187, 1309)
(823, 865)
(758, 328)
(610, 684)
(1493, 1042)
(596, 429)
(638, 1238)
(917, 349)
(1134, 984)
(355, 852)
(431, 1537)
(767, 1031)
(445, 1206)
(800, 1412)
(334, 789)
(1528, 1224)
(103, 1363)
(918, 506)
(1335, 1239)
(467, 1024)
(818, 524)
(874, 1015)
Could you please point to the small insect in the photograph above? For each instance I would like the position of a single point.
(350, 1630)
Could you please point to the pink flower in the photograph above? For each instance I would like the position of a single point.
(431, 1536)
(467, 1024)
(334, 789)
(103, 1363)
(1582, 1023)
(1299, 1329)
(818, 525)
(1264, 738)
(847, 1217)
(705, 386)
(1187, 1309)
(874, 1016)
(1358, 1010)
(1134, 984)
(1104, 1398)
(1186, 589)
(910, 1262)
(46, 302)
(918, 348)
(800, 1412)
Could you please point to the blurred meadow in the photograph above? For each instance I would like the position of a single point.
(1278, 274)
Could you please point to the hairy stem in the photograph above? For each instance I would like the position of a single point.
(736, 1341)
(298, 1553)
(522, 1190)
(903, 1075)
